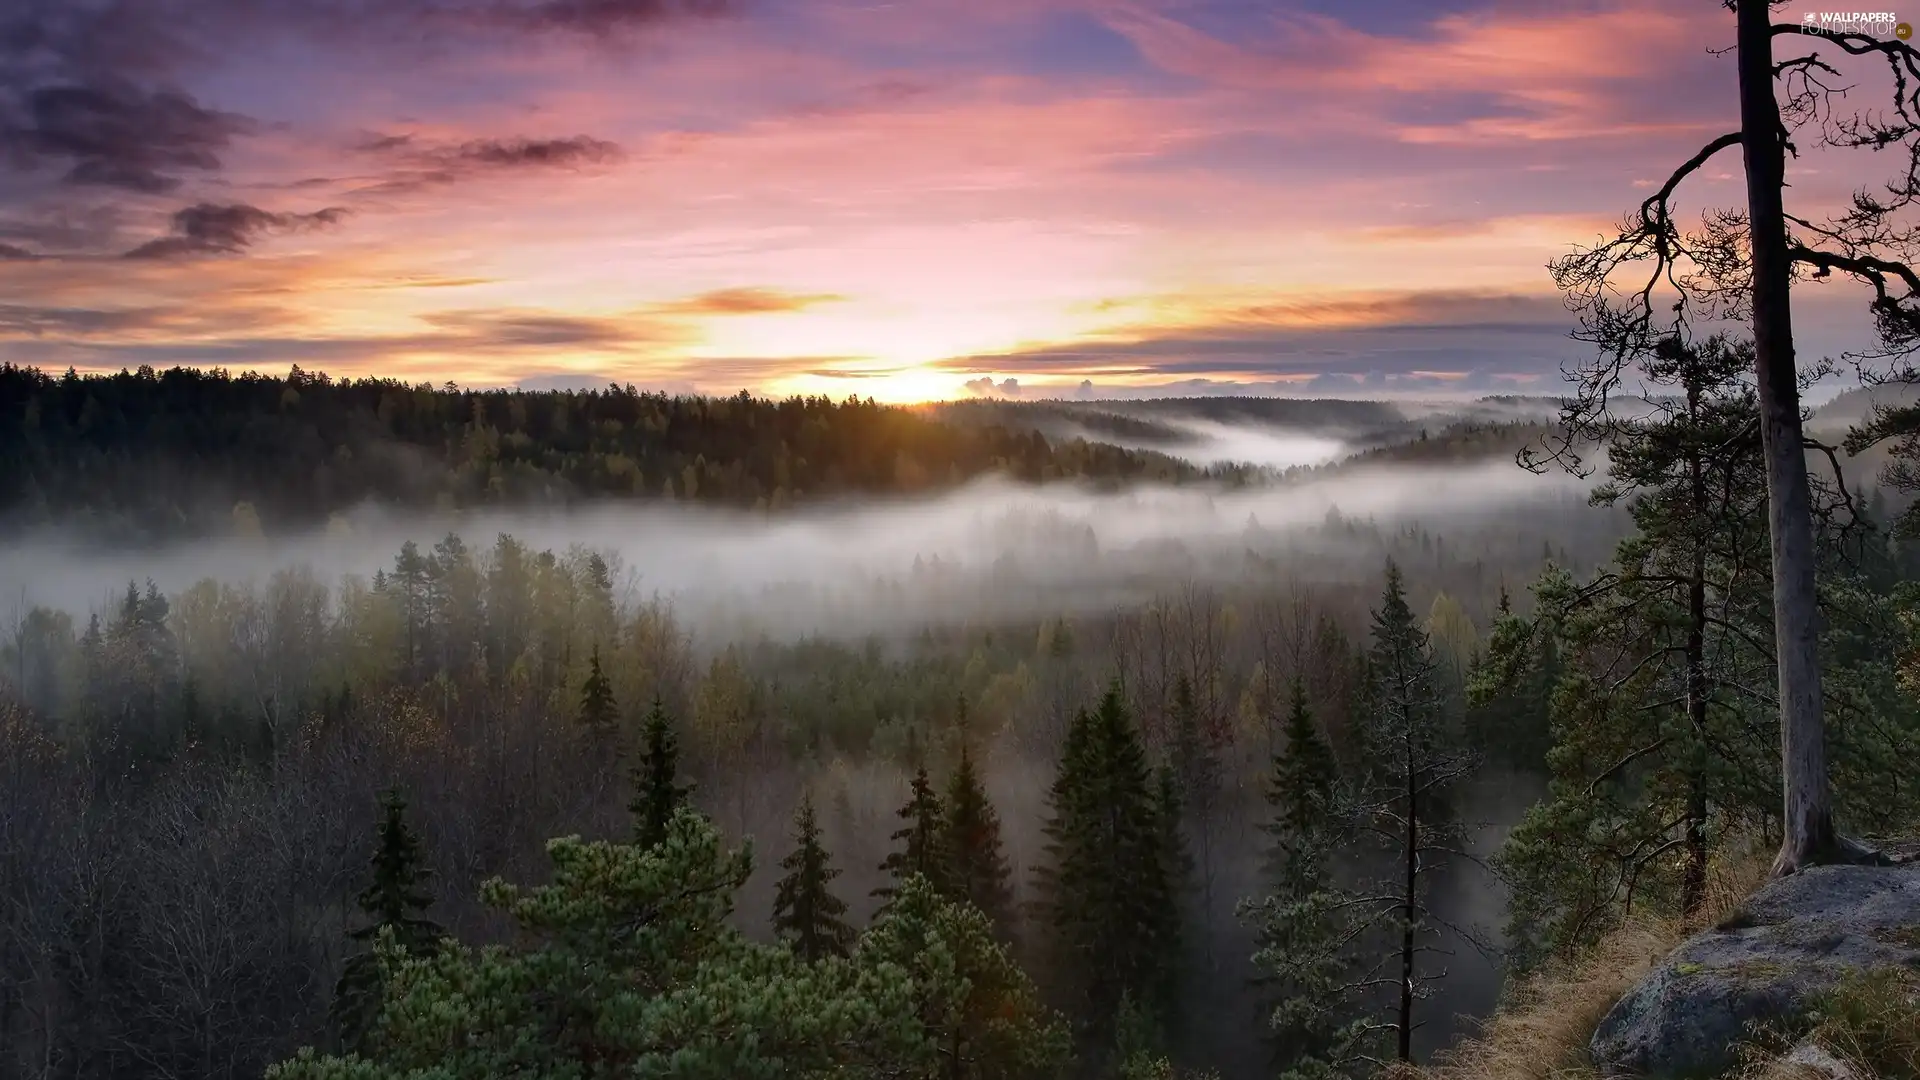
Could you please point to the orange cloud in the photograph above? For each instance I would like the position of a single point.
(746, 301)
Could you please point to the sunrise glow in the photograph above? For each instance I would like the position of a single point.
(840, 197)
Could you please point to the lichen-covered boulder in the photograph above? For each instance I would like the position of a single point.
(1791, 942)
(1811, 1061)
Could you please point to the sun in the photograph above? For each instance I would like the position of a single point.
(889, 386)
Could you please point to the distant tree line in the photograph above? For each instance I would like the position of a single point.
(147, 455)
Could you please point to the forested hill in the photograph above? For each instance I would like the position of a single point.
(1163, 423)
(146, 455)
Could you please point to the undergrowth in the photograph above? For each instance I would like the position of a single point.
(1542, 1030)
(1870, 1023)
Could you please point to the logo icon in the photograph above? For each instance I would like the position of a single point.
(1903, 31)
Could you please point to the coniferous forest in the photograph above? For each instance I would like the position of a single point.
(1299, 802)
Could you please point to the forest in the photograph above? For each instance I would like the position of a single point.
(1298, 800)
(147, 456)
(370, 730)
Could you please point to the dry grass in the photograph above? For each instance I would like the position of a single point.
(1871, 1024)
(1542, 1031)
(1874, 1022)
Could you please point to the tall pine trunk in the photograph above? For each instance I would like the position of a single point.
(1807, 822)
(1693, 885)
(1409, 905)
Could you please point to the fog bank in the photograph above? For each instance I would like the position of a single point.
(992, 550)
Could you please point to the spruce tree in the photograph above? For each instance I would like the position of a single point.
(1106, 889)
(1300, 798)
(1313, 997)
(977, 869)
(394, 904)
(1197, 775)
(598, 712)
(920, 842)
(1169, 927)
(1196, 765)
(806, 914)
(657, 792)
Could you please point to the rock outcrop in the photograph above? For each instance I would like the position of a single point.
(1766, 963)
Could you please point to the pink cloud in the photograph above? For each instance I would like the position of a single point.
(1563, 73)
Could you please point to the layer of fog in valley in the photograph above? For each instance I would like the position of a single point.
(987, 552)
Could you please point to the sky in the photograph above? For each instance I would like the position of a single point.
(903, 199)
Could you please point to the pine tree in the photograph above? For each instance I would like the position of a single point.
(598, 712)
(624, 962)
(921, 842)
(1106, 890)
(657, 793)
(806, 914)
(1650, 760)
(394, 905)
(1414, 764)
(1654, 761)
(1317, 1019)
(981, 1014)
(977, 869)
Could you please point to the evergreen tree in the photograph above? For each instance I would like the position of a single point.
(394, 905)
(921, 842)
(1170, 925)
(1106, 889)
(1300, 797)
(598, 712)
(806, 914)
(1510, 689)
(1318, 989)
(625, 964)
(657, 792)
(977, 869)
(1653, 757)
(1196, 764)
(1415, 762)
(1302, 926)
(409, 585)
(980, 1012)
(1196, 775)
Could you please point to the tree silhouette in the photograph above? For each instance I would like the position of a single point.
(394, 905)
(806, 914)
(977, 869)
(598, 712)
(657, 791)
(1106, 892)
(921, 841)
